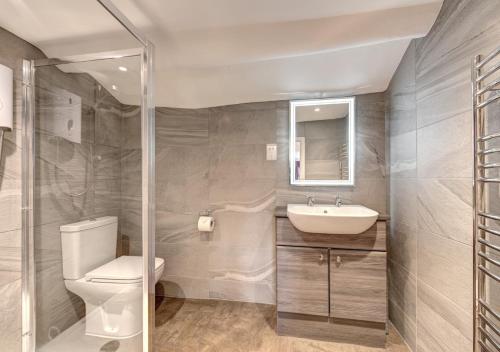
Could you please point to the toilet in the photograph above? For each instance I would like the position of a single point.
(110, 287)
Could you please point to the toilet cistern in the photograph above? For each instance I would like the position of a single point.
(110, 287)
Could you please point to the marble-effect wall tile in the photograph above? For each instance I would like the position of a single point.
(215, 159)
(73, 180)
(430, 128)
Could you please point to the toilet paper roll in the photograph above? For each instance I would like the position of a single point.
(206, 224)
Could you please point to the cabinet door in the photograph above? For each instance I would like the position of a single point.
(302, 280)
(358, 285)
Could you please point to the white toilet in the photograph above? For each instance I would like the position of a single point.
(111, 287)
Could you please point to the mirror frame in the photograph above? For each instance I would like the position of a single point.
(351, 142)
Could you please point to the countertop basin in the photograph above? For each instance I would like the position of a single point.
(330, 219)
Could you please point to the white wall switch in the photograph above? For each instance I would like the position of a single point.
(271, 152)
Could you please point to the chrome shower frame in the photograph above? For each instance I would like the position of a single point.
(145, 51)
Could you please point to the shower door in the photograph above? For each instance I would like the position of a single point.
(88, 160)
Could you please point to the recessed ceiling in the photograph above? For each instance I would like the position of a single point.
(221, 52)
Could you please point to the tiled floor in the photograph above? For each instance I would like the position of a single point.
(220, 326)
(74, 339)
(210, 326)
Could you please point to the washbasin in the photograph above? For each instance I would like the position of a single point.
(331, 219)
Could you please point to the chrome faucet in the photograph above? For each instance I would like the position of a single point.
(338, 201)
(310, 201)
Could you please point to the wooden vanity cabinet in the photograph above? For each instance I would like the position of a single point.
(302, 280)
(358, 285)
(332, 287)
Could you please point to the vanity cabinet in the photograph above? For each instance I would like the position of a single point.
(302, 280)
(358, 285)
(332, 287)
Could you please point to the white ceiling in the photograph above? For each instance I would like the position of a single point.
(220, 52)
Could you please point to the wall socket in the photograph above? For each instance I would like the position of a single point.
(271, 152)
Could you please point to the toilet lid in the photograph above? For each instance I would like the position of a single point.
(124, 269)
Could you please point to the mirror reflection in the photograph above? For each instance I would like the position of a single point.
(323, 132)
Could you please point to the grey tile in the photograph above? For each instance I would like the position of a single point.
(251, 229)
(253, 265)
(244, 192)
(48, 237)
(182, 178)
(406, 327)
(457, 24)
(370, 192)
(403, 198)
(108, 123)
(182, 287)
(181, 126)
(185, 259)
(131, 175)
(107, 163)
(131, 223)
(441, 325)
(175, 227)
(10, 258)
(445, 208)
(10, 316)
(10, 238)
(52, 199)
(403, 155)
(15, 48)
(444, 149)
(10, 205)
(403, 83)
(57, 308)
(446, 266)
(370, 115)
(107, 195)
(131, 127)
(370, 157)
(402, 246)
(11, 158)
(246, 161)
(403, 290)
(242, 291)
(242, 127)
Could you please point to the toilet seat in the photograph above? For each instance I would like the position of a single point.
(123, 270)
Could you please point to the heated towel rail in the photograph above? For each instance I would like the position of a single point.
(486, 106)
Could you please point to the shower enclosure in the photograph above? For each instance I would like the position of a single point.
(88, 158)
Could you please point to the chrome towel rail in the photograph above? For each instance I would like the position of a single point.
(493, 232)
(486, 91)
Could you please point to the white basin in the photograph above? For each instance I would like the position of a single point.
(346, 219)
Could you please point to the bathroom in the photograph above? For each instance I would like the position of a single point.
(249, 176)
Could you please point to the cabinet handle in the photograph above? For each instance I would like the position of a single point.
(321, 258)
(339, 259)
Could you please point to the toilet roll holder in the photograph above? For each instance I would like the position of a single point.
(206, 212)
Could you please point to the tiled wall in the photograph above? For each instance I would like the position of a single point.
(206, 159)
(61, 167)
(130, 181)
(215, 159)
(430, 119)
(12, 50)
